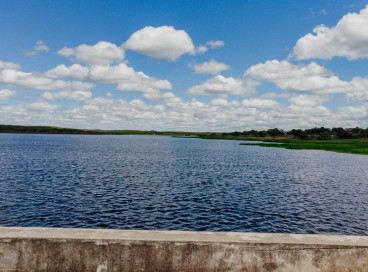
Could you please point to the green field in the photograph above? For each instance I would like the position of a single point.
(355, 146)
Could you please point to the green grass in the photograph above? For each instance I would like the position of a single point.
(355, 146)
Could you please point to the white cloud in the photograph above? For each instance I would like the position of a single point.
(161, 96)
(224, 103)
(9, 65)
(6, 94)
(358, 89)
(75, 71)
(143, 83)
(100, 53)
(81, 95)
(41, 47)
(311, 78)
(202, 49)
(358, 112)
(260, 103)
(274, 95)
(111, 74)
(37, 49)
(220, 85)
(42, 106)
(163, 42)
(19, 79)
(67, 52)
(30, 53)
(215, 44)
(174, 113)
(308, 100)
(211, 67)
(128, 79)
(349, 38)
(211, 44)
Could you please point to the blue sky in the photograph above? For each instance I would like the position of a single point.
(184, 65)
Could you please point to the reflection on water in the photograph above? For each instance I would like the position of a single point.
(156, 182)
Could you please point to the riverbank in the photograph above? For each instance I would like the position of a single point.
(355, 146)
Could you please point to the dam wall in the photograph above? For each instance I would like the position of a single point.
(56, 249)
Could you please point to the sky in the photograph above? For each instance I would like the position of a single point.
(184, 65)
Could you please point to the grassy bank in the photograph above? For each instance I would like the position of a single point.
(355, 146)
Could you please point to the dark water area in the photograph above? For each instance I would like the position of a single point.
(165, 183)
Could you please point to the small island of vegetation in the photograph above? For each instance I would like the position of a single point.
(345, 140)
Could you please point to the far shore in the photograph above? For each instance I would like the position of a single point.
(353, 141)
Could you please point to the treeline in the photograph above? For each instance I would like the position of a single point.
(306, 134)
(321, 133)
(58, 130)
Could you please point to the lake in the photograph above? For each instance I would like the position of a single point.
(167, 183)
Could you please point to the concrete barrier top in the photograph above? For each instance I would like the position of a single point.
(181, 236)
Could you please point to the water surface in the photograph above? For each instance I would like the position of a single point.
(158, 182)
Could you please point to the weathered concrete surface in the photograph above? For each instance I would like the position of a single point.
(45, 249)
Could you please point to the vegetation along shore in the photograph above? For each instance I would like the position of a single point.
(345, 140)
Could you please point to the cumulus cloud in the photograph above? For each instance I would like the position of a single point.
(37, 49)
(81, 95)
(156, 95)
(202, 49)
(75, 71)
(260, 103)
(40, 47)
(9, 65)
(7, 94)
(42, 106)
(358, 112)
(111, 73)
(19, 79)
(143, 83)
(211, 44)
(100, 53)
(349, 38)
(215, 44)
(128, 79)
(308, 100)
(274, 95)
(217, 115)
(67, 52)
(311, 78)
(211, 67)
(224, 103)
(163, 42)
(358, 89)
(220, 85)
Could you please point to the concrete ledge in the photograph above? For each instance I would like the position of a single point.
(52, 249)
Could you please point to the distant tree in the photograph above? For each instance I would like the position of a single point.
(253, 133)
(274, 132)
(235, 133)
(342, 133)
(324, 135)
(301, 134)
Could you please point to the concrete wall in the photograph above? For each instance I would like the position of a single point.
(45, 249)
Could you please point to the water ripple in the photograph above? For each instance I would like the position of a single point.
(148, 182)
